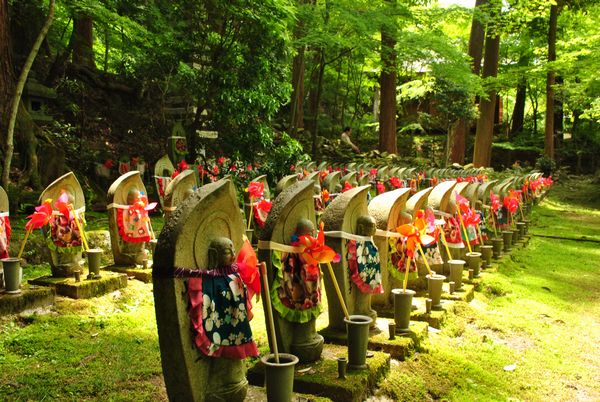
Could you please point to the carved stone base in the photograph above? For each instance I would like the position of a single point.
(400, 348)
(141, 274)
(321, 378)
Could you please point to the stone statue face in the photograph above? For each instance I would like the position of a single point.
(188, 193)
(317, 189)
(132, 195)
(220, 253)
(366, 225)
(305, 227)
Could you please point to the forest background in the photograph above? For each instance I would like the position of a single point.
(86, 82)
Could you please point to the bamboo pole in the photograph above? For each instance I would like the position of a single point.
(80, 228)
(250, 213)
(445, 242)
(269, 310)
(338, 291)
(406, 268)
(424, 258)
(24, 241)
(462, 223)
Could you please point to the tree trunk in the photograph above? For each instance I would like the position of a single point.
(518, 115)
(558, 116)
(315, 103)
(83, 44)
(460, 129)
(550, 81)
(7, 78)
(297, 106)
(28, 129)
(477, 36)
(482, 154)
(16, 99)
(387, 83)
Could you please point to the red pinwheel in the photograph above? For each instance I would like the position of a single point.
(495, 202)
(314, 249)
(511, 203)
(396, 182)
(462, 203)
(471, 218)
(63, 205)
(181, 166)
(256, 190)
(373, 173)
(380, 188)
(325, 196)
(261, 210)
(347, 187)
(41, 216)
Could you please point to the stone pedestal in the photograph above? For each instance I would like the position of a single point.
(31, 297)
(85, 289)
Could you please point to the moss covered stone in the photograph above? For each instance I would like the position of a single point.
(321, 377)
(30, 297)
(86, 288)
(141, 274)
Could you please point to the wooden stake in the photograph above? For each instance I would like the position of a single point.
(24, 241)
(338, 291)
(269, 310)
(406, 268)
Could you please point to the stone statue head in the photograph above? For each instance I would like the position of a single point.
(317, 189)
(220, 253)
(69, 195)
(404, 218)
(132, 196)
(188, 193)
(366, 225)
(305, 227)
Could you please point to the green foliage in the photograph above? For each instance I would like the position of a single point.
(546, 165)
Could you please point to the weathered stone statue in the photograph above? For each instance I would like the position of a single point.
(359, 271)
(4, 225)
(128, 220)
(294, 280)
(180, 188)
(386, 209)
(285, 182)
(63, 236)
(332, 182)
(202, 305)
(163, 169)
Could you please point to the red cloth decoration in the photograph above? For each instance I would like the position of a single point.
(248, 269)
(380, 188)
(347, 187)
(4, 236)
(495, 202)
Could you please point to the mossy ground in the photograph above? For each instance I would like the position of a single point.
(539, 309)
